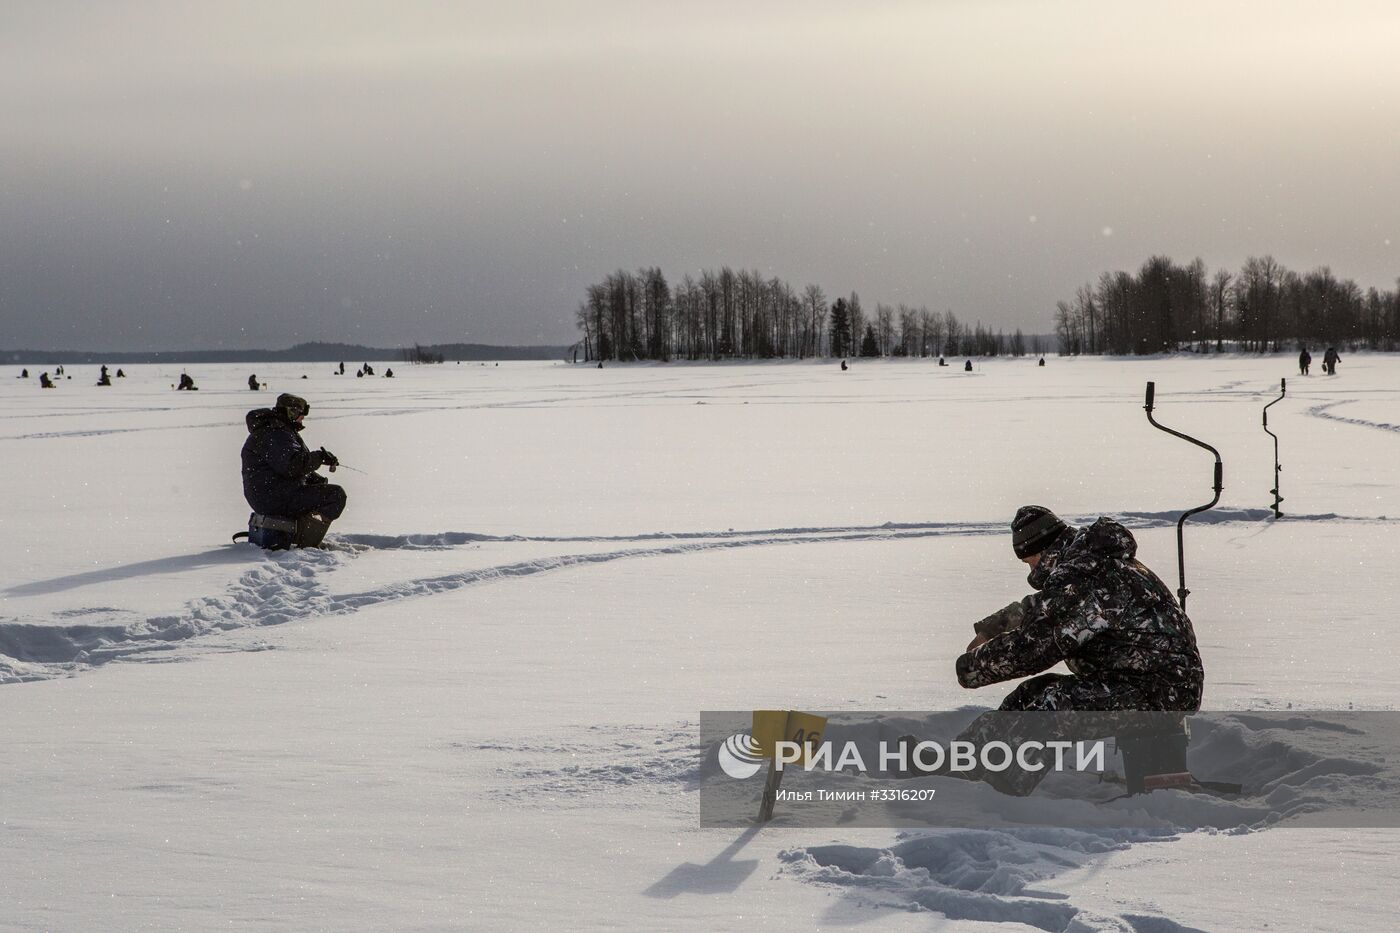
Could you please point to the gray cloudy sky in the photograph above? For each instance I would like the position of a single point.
(253, 174)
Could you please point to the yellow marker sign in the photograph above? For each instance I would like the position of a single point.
(773, 726)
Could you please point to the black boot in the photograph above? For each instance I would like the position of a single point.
(311, 529)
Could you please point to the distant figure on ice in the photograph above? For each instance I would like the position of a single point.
(253, 382)
(369, 370)
(942, 361)
(1304, 361)
(279, 471)
(1042, 361)
(1330, 359)
(342, 367)
(389, 373)
(1095, 607)
(187, 383)
(967, 367)
(58, 372)
(843, 366)
(359, 374)
(120, 374)
(24, 374)
(45, 382)
(104, 379)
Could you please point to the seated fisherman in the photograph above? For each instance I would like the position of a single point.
(279, 470)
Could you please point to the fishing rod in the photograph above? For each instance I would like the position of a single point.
(1183, 592)
(1282, 391)
(334, 464)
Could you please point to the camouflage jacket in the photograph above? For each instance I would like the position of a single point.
(1103, 613)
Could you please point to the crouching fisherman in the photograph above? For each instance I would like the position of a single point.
(292, 504)
(1131, 651)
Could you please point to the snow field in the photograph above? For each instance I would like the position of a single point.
(478, 710)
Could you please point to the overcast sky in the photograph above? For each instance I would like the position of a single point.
(182, 175)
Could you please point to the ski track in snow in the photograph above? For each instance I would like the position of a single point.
(286, 586)
(1217, 516)
(1325, 411)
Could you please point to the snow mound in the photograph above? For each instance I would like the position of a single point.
(1298, 770)
(988, 876)
(279, 587)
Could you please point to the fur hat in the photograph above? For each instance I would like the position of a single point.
(292, 406)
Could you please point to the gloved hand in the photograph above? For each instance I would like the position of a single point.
(1003, 620)
(329, 459)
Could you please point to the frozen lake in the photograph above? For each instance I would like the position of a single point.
(478, 710)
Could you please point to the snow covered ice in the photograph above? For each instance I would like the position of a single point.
(477, 710)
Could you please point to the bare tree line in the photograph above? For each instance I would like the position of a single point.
(728, 314)
(1264, 308)
(421, 354)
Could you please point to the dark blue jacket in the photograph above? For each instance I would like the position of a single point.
(277, 464)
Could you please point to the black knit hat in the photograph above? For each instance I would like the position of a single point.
(1034, 529)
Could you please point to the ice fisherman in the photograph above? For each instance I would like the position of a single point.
(253, 382)
(1330, 359)
(1304, 361)
(1114, 623)
(1096, 607)
(279, 470)
(44, 381)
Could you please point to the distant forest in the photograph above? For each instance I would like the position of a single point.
(301, 353)
(728, 315)
(1262, 308)
(1164, 308)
